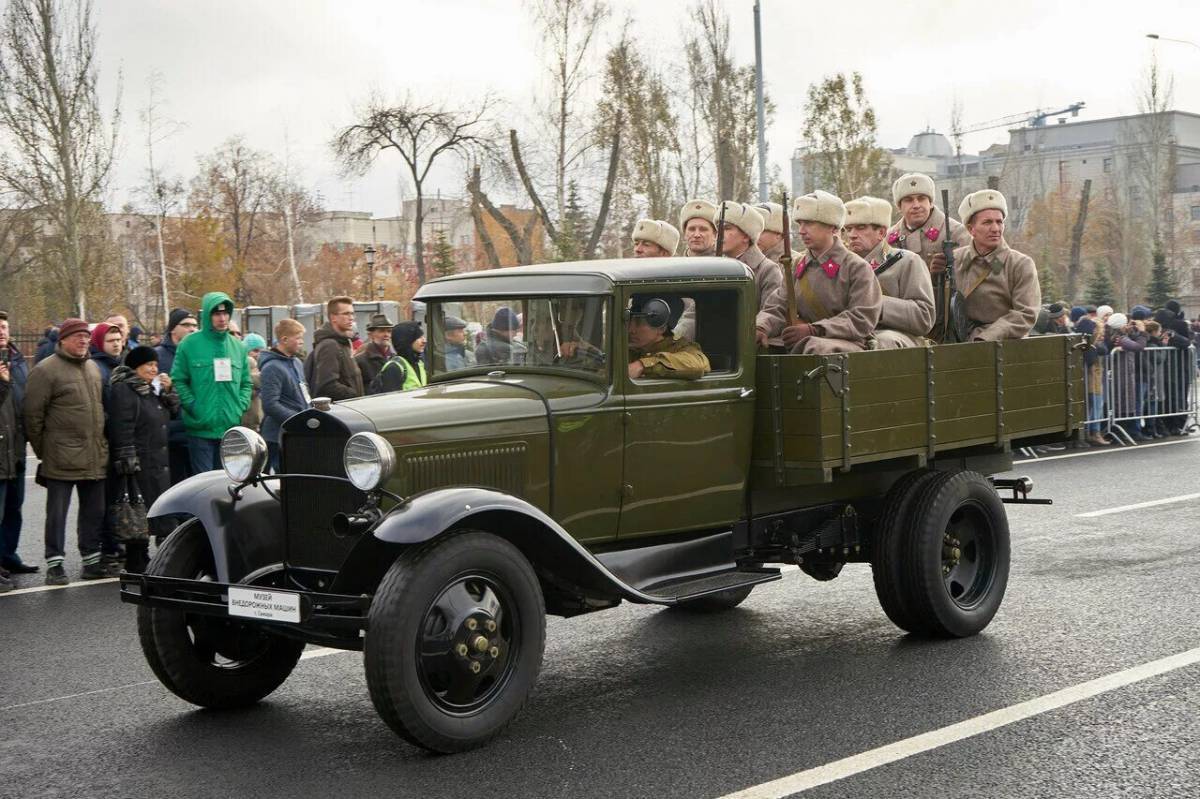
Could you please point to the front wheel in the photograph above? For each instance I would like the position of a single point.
(206, 660)
(455, 641)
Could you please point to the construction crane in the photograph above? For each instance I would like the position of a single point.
(1034, 119)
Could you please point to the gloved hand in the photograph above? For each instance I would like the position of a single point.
(126, 462)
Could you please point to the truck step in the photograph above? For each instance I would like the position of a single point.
(711, 583)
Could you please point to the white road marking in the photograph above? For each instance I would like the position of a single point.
(1137, 506)
(320, 652)
(1110, 451)
(865, 761)
(76, 696)
(316, 652)
(39, 588)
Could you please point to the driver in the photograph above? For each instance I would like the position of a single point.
(653, 349)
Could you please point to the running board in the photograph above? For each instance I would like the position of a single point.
(696, 587)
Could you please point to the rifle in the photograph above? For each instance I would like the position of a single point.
(721, 231)
(956, 311)
(785, 263)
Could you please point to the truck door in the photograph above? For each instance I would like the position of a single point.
(687, 442)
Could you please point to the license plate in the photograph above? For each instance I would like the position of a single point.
(255, 603)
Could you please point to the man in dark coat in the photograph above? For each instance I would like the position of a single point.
(64, 421)
(374, 354)
(501, 345)
(1178, 364)
(330, 369)
(180, 324)
(45, 346)
(141, 403)
(13, 374)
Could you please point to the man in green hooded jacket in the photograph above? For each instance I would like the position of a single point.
(212, 377)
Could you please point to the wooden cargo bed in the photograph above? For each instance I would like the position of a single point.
(817, 415)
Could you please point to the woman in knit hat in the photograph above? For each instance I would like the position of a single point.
(140, 404)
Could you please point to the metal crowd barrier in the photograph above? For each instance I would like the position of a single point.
(1148, 385)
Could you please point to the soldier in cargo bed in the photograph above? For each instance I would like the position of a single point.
(838, 299)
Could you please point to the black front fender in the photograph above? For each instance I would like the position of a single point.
(245, 534)
(549, 547)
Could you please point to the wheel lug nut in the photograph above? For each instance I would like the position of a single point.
(472, 624)
(475, 667)
(490, 626)
(461, 649)
(494, 652)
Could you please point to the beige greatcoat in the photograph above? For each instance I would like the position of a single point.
(769, 282)
(685, 328)
(843, 309)
(918, 241)
(1002, 291)
(908, 307)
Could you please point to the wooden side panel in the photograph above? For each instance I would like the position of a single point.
(981, 394)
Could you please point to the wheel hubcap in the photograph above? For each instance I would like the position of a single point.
(968, 556)
(466, 643)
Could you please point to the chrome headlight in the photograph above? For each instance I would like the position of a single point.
(369, 460)
(243, 454)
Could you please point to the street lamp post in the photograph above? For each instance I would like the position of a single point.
(369, 254)
(1156, 37)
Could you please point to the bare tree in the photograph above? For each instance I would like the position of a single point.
(1152, 151)
(521, 237)
(297, 208)
(569, 28)
(640, 95)
(725, 95)
(160, 193)
(233, 186)
(419, 133)
(61, 148)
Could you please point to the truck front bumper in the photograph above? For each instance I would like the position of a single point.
(336, 620)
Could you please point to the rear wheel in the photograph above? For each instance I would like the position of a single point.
(455, 641)
(207, 660)
(891, 531)
(955, 555)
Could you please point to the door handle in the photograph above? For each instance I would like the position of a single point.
(745, 392)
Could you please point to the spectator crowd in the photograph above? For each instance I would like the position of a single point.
(114, 422)
(1140, 368)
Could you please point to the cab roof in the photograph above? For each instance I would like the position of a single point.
(583, 277)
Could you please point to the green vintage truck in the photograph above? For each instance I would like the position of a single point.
(434, 529)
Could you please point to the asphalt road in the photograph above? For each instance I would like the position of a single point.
(638, 702)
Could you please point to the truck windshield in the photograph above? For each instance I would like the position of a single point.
(552, 332)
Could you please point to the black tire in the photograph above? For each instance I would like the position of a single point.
(715, 603)
(206, 660)
(450, 593)
(957, 552)
(887, 561)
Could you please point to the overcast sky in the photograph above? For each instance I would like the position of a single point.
(286, 73)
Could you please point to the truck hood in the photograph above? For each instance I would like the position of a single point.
(461, 403)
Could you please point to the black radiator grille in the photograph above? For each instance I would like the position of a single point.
(309, 505)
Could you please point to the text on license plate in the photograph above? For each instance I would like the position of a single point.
(255, 603)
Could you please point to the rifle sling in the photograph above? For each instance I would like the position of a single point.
(890, 261)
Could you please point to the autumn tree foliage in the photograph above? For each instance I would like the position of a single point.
(842, 141)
